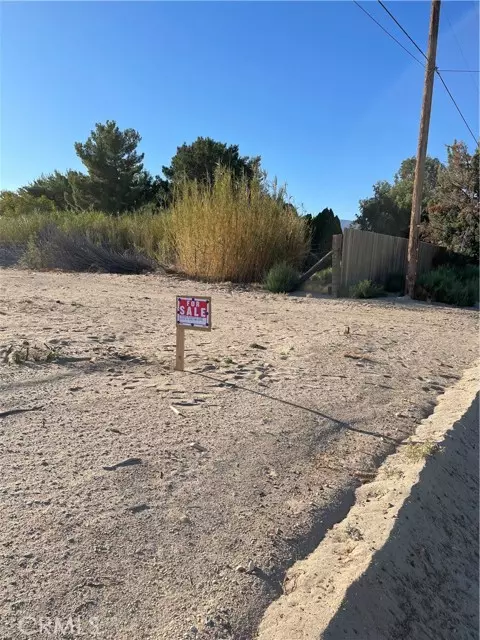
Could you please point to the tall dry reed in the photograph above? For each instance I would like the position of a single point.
(234, 230)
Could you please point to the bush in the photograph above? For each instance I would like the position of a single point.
(452, 285)
(395, 283)
(234, 229)
(55, 249)
(282, 278)
(11, 254)
(323, 277)
(366, 289)
(13, 204)
(137, 233)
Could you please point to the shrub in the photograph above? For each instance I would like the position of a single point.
(282, 278)
(234, 229)
(366, 289)
(231, 230)
(55, 249)
(11, 254)
(13, 204)
(137, 233)
(323, 277)
(452, 285)
(395, 283)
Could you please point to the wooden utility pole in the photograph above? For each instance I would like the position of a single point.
(422, 149)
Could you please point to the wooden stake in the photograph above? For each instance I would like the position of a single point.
(337, 241)
(308, 274)
(180, 351)
(422, 150)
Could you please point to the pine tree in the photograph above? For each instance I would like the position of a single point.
(116, 179)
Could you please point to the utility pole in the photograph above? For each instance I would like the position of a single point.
(422, 149)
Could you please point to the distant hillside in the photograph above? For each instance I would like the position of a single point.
(346, 223)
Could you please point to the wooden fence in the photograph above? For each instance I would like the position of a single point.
(374, 256)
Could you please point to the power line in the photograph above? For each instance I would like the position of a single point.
(388, 33)
(461, 51)
(436, 70)
(456, 105)
(459, 71)
(399, 25)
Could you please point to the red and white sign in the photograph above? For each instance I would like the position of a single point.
(194, 313)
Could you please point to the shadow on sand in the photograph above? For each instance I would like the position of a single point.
(423, 583)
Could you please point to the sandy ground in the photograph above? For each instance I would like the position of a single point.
(404, 562)
(282, 414)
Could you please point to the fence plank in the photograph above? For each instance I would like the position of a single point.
(374, 256)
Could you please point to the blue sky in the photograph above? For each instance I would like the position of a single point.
(316, 88)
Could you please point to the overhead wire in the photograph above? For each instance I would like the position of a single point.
(459, 71)
(415, 58)
(461, 50)
(400, 26)
(388, 33)
(456, 105)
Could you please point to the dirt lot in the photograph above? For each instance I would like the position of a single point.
(403, 564)
(282, 414)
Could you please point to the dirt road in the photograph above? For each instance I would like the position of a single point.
(283, 412)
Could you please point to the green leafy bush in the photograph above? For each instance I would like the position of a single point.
(395, 283)
(366, 289)
(323, 277)
(282, 278)
(452, 285)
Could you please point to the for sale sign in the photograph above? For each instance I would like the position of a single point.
(194, 313)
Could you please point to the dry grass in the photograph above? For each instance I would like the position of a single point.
(234, 231)
(418, 451)
(143, 233)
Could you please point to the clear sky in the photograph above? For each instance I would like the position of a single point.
(316, 88)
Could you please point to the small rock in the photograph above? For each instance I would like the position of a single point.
(138, 508)
(250, 566)
(197, 447)
(240, 568)
(125, 463)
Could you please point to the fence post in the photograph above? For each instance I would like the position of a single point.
(336, 264)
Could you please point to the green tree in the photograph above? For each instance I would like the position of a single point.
(13, 204)
(156, 191)
(54, 186)
(323, 226)
(382, 214)
(454, 208)
(198, 161)
(116, 178)
(388, 210)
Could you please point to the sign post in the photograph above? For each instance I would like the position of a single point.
(191, 313)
